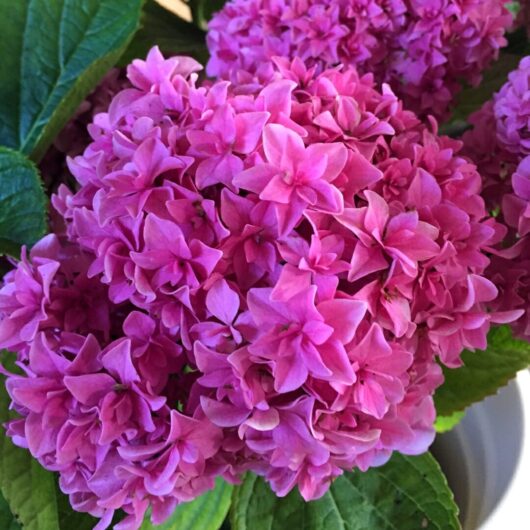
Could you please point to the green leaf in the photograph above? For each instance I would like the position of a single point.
(53, 54)
(22, 202)
(170, 33)
(446, 423)
(27, 487)
(518, 41)
(408, 493)
(7, 519)
(483, 373)
(207, 512)
(472, 98)
(203, 10)
(30, 491)
(514, 8)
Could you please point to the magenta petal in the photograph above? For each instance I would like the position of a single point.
(336, 154)
(277, 190)
(336, 360)
(249, 127)
(255, 178)
(370, 398)
(264, 420)
(89, 389)
(290, 373)
(366, 260)
(289, 215)
(160, 234)
(424, 189)
(139, 325)
(282, 146)
(223, 414)
(118, 361)
(377, 214)
(222, 302)
(344, 316)
(362, 173)
(291, 282)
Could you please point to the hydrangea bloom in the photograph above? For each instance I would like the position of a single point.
(499, 144)
(423, 49)
(512, 111)
(273, 276)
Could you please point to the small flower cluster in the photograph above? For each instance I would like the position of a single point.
(91, 392)
(422, 49)
(271, 277)
(500, 146)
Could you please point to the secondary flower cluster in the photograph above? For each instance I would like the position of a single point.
(270, 276)
(424, 50)
(500, 145)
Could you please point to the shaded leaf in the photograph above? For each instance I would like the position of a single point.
(31, 492)
(408, 493)
(207, 512)
(483, 373)
(203, 10)
(446, 423)
(518, 40)
(27, 487)
(472, 98)
(22, 202)
(7, 519)
(172, 34)
(53, 54)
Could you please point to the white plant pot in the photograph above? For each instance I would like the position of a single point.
(487, 460)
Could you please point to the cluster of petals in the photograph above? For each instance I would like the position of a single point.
(272, 276)
(424, 50)
(499, 144)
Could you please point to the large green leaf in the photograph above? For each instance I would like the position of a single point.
(7, 519)
(483, 373)
(472, 98)
(22, 202)
(30, 491)
(446, 423)
(53, 54)
(408, 493)
(27, 487)
(170, 33)
(207, 512)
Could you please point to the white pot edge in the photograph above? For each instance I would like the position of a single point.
(513, 510)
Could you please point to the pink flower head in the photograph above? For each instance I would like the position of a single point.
(499, 145)
(423, 51)
(250, 277)
(512, 111)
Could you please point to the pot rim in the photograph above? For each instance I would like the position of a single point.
(512, 508)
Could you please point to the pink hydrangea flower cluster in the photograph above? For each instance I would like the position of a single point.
(424, 50)
(271, 278)
(500, 145)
